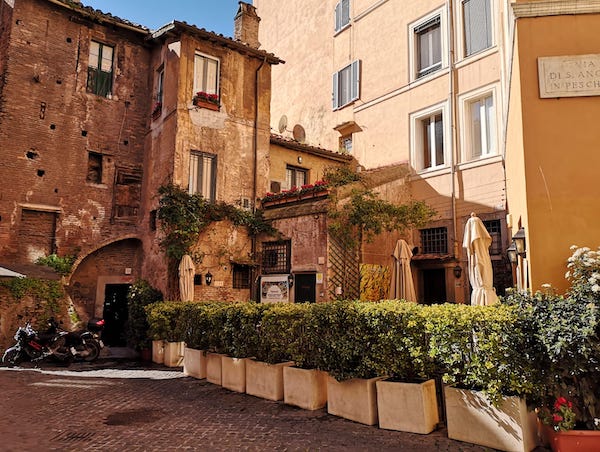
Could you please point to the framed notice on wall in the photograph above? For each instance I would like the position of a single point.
(274, 289)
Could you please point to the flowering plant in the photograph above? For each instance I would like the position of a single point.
(584, 273)
(318, 186)
(206, 97)
(561, 417)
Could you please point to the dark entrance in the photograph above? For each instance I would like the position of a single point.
(434, 285)
(115, 315)
(305, 285)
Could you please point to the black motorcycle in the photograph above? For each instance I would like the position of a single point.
(84, 345)
(34, 346)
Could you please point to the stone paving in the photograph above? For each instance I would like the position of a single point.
(120, 406)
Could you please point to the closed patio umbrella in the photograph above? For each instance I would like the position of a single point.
(477, 241)
(402, 286)
(186, 278)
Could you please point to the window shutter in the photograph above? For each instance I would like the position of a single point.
(477, 25)
(335, 90)
(355, 93)
(345, 13)
(338, 16)
(213, 179)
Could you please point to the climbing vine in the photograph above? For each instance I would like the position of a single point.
(61, 264)
(184, 216)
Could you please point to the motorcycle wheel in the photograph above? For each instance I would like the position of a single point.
(12, 357)
(93, 351)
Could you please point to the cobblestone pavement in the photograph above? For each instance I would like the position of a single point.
(119, 406)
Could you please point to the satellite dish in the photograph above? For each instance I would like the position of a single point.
(283, 121)
(299, 133)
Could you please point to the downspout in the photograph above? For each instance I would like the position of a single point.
(451, 94)
(253, 289)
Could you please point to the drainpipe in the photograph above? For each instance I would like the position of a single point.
(453, 140)
(255, 176)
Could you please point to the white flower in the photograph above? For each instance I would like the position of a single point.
(547, 286)
(595, 288)
(567, 275)
(573, 247)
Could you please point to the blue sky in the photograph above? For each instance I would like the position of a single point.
(214, 15)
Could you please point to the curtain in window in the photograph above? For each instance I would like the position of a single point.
(429, 46)
(477, 21)
(206, 74)
(100, 69)
(346, 85)
(203, 175)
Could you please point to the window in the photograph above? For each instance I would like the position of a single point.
(241, 276)
(203, 175)
(477, 25)
(346, 144)
(100, 69)
(428, 137)
(295, 177)
(276, 257)
(494, 229)
(434, 240)
(206, 74)
(94, 172)
(342, 14)
(346, 85)
(127, 193)
(160, 81)
(428, 46)
(481, 123)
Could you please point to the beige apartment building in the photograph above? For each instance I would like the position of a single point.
(420, 83)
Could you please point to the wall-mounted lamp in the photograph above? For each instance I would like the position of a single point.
(299, 159)
(290, 280)
(511, 252)
(520, 243)
(457, 271)
(208, 278)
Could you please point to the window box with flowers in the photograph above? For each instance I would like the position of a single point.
(308, 191)
(206, 100)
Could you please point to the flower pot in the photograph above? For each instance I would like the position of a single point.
(213, 368)
(146, 354)
(354, 399)
(205, 104)
(304, 388)
(194, 363)
(265, 380)
(233, 373)
(158, 352)
(473, 419)
(573, 440)
(173, 355)
(407, 407)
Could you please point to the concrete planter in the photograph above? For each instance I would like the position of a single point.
(305, 388)
(354, 399)
(194, 363)
(213, 368)
(265, 380)
(158, 352)
(173, 356)
(473, 419)
(407, 407)
(233, 373)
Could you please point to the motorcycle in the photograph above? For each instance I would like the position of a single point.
(34, 346)
(85, 345)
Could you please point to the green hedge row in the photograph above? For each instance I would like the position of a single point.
(474, 347)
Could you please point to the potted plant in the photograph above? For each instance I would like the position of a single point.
(166, 327)
(206, 100)
(140, 295)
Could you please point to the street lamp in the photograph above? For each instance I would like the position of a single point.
(457, 271)
(519, 242)
(511, 251)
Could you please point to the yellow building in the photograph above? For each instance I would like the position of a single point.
(420, 83)
(552, 140)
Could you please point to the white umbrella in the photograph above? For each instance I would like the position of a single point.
(186, 278)
(477, 242)
(402, 286)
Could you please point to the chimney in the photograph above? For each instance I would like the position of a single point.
(246, 25)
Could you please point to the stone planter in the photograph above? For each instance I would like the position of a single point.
(158, 352)
(473, 419)
(354, 399)
(304, 388)
(173, 355)
(194, 363)
(265, 380)
(213, 368)
(233, 373)
(407, 407)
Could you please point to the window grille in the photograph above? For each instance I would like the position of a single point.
(494, 229)
(276, 257)
(434, 240)
(241, 276)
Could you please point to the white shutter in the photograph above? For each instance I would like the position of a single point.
(338, 17)
(335, 90)
(345, 13)
(355, 90)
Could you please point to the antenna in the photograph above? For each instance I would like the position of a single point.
(283, 121)
(299, 133)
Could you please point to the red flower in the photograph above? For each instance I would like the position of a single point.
(556, 418)
(560, 401)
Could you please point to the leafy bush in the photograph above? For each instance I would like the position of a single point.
(240, 329)
(61, 264)
(140, 295)
(166, 320)
(282, 338)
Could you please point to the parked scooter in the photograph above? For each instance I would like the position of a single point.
(84, 345)
(35, 347)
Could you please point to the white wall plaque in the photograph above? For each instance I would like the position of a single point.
(569, 76)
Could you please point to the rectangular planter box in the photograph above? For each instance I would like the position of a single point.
(158, 352)
(213, 368)
(473, 419)
(354, 399)
(173, 356)
(265, 380)
(233, 373)
(194, 363)
(407, 407)
(305, 388)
